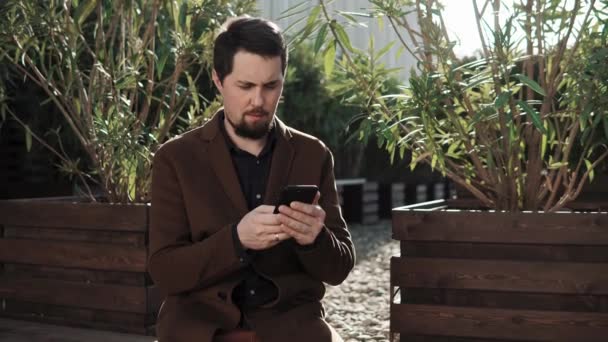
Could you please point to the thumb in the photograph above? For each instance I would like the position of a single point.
(317, 197)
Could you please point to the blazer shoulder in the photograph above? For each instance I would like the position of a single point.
(306, 140)
(180, 141)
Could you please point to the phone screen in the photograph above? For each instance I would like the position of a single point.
(299, 193)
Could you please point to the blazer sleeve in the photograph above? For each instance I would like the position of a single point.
(332, 256)
(176, 263)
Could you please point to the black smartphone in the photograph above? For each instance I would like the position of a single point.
(300, 193)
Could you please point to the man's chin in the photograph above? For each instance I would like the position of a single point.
(254, 132)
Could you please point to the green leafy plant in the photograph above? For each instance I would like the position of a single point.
(523, 127)
(122, 73)
(316, 103)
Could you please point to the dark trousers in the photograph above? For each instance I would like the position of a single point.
(238, 335)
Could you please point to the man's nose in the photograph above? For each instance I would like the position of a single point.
(257, 98)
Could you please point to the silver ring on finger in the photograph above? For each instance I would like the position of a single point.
(277, 238)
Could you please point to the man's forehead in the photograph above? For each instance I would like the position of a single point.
(252, 68)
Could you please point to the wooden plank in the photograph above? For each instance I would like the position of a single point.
(92, 296)
(427, 338)
(76, 274)
(530, 252)
(591, 202)
(499, 275)
(349, 181)
(64, 214)
(76, 317)
(504, 300)
(154, 299)
(136, 239)
(498, 323)
(26, 331)
(73, 255)
(505, 227)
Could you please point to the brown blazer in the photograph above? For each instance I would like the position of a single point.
(196, 198)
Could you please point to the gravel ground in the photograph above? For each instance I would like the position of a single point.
(359, 308)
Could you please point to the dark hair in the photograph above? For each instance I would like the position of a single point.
(255, 35)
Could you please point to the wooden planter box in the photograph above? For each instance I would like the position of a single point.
(478, 275)
(78, 264)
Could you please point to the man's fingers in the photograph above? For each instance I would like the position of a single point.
(278, 237)
(267, 219)
(264, 209)
(292, 232)
(270, 230)
(297, 215)
(302, 212)
(310, 209)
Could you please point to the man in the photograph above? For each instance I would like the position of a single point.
(229, 268)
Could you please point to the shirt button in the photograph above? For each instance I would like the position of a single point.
(258, 196)
(241, 260)
(252, 292)
(257, 162)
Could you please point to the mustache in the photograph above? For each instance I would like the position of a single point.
(257, 111)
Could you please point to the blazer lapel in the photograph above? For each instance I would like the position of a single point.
(221, 162)
(282, 158)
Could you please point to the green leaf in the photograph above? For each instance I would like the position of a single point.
(502, 99)
(314, 15)
(597, 119)
(84, 10)
(606, 125)
(352, 15)
(342, 35)
(530, 83)
(28, 138)
(586, 113)
(329, 58)
(590, 168)
(77, 106)
(348, 17)
(554, 166)
(452, 149)
(292, 11)
(193, 92)
(385, 49)
(536, 120)
(320, 38)
(481, 114)
(543, 145)
(183, 12)
(163, 56)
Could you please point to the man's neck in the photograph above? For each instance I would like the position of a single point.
(253, 146)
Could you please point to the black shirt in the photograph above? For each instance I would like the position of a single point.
(252, 171)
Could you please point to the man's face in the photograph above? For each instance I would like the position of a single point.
(251, 93)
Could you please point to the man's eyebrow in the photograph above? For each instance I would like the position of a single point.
(245, 83)
(273, 82)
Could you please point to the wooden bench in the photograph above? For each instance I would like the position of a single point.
(359, 200)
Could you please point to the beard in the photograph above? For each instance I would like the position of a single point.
(255, 130)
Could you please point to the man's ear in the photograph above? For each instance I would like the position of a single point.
(217, 82)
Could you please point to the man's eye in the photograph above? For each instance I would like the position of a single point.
(245, 87)
(270, 86)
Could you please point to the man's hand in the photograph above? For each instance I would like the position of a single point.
(302, 221)
(260, 229)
